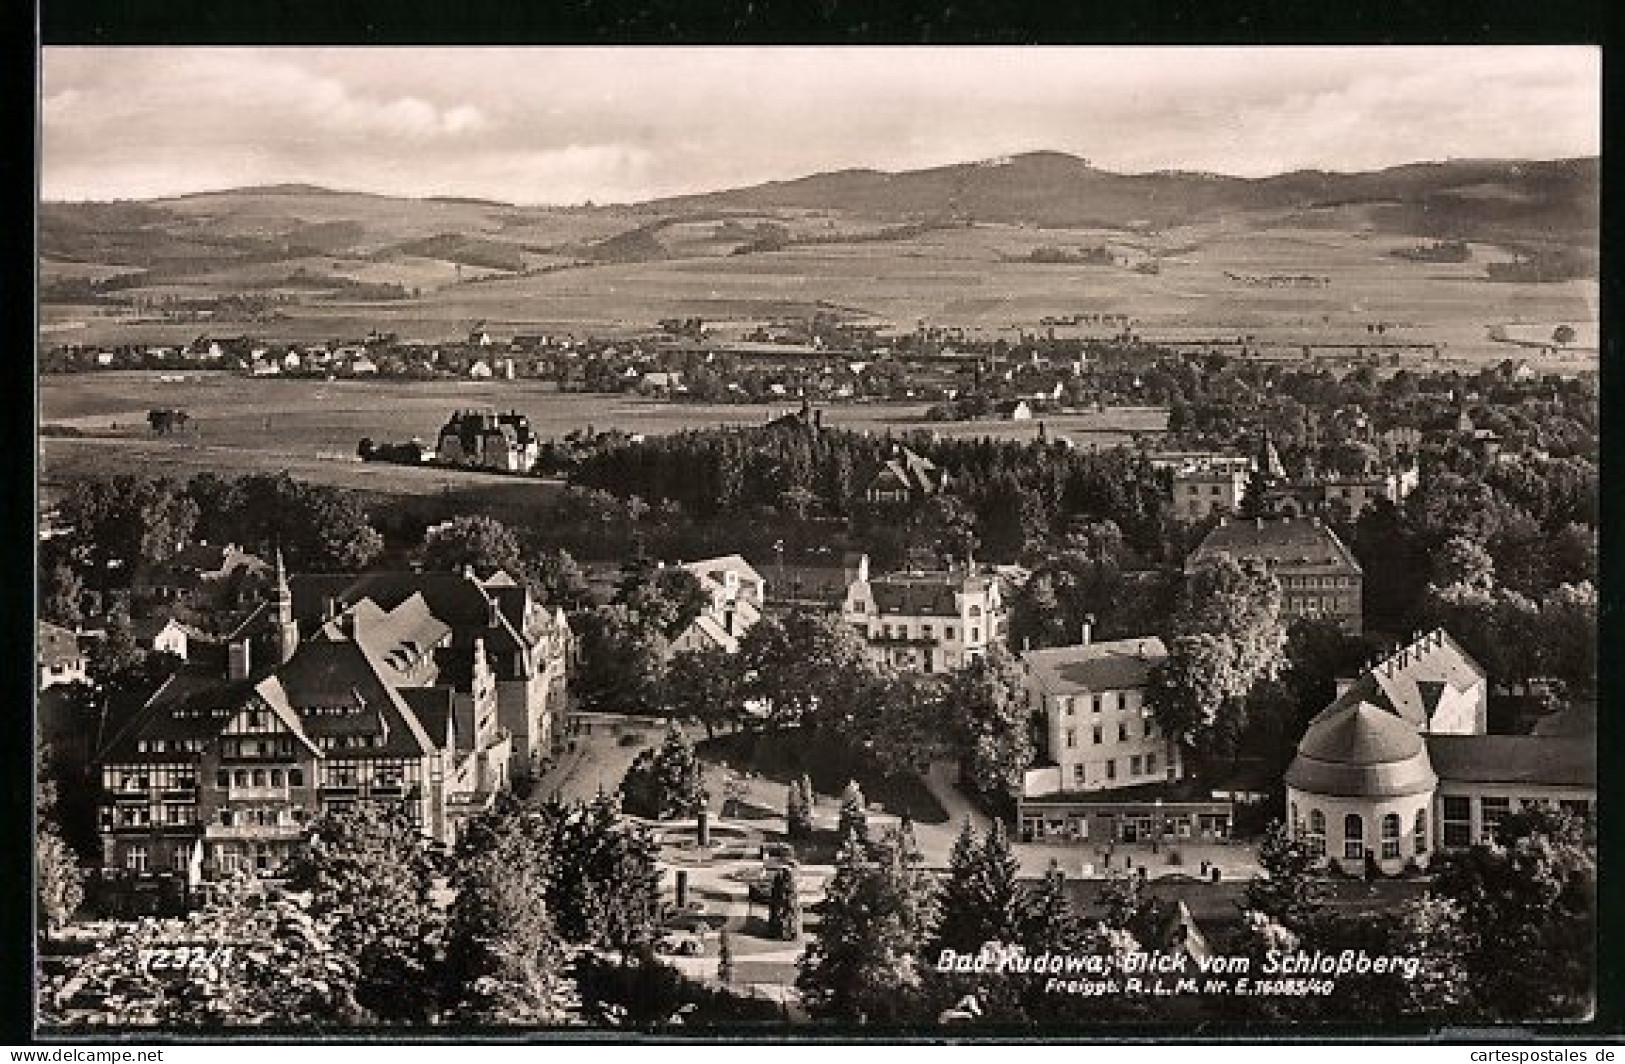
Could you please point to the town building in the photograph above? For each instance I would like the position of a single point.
(737, 596)
(484, 439)
(905, 478)
(821, 588)
(57, 655)
(1319, 575)
(1400, 766)
(1105, 771)
(222, 769)
(927, 621)
(1202, 491)
(207, 585)
(528, 647)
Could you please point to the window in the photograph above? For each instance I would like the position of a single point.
(259, 777)
(276, 777)
(1067, 704)
(1094, 703)
(1097, 734)
(180, 859)
(948, 632)
(262, 857)
(296, 777)
(1146, 727)
(1458, 821)
(1111, 769)
(1071, 738)
(975, 635)
(1574, 806)
(241, 778)
(1492, 811)
(1122, 731)
(1390, 837)
(1150, 764)
(1353, 837)
(135, 858)
(1077, 775)
(1317, 833)
(1294, 820)
(1419, 833)
(1135, 763)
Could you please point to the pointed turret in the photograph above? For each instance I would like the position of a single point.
(286, 628)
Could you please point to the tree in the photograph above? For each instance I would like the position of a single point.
(59, 880)
(1241, 601)
(504, 962)
(622, 659)
(1051, 923)
(798, 818)
(1528, 909)
(477, 541)
(854, 817)
(1568, 617)
(1563, 335)
(1286, 890)
(991, 724)
(369, 871)
(1461, 561)
(666, 782)
(862, 964)
(705, 685)
(60, 592)
(1190, 689)
(558, 580)
(808, 668)
(784, 906)
(725, 958)
(981, 900)
(605, 889)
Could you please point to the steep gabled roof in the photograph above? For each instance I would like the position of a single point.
(1411, 681)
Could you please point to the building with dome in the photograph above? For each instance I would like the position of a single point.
(1400, 766)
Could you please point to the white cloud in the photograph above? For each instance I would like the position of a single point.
(619, 123)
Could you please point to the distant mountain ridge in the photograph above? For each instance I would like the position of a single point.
(1052, 188)
(1525, 205)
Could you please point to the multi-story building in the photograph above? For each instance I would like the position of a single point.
(904, 478)
(737, 596)
(1202, 491)
(528, 646)
(821, 588)
(927, 621)
(57, 655)
(1400, 766)
(1103, 763)
(222, 770)
(1319, 575)
(485, 439)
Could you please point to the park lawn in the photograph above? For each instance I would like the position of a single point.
(831, 763)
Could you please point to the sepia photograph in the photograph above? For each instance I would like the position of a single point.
(781, 541)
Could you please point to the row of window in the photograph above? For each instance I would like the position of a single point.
(1147, 728)
(1456, 816)
(1138, 765)
(1354, 848)
(1317, 581)
(247, 778)
(1127, 700)
(133, 780)
(169, 746)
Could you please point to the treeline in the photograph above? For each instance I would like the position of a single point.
(541, 916)
(1011, 496)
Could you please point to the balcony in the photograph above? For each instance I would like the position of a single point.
(253, 832)
(905, 640)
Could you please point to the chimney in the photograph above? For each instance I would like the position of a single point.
(330, 608)
(1088, 629)
(468, 572)
(1343, 684)
(237, 660)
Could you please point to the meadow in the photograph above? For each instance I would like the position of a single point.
(312, 427)
(970, 278)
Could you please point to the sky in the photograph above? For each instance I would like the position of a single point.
(609, 125)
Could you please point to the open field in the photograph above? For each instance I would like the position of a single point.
(962, 278)
(311, 427)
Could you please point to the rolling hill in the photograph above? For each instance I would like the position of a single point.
(216, 240)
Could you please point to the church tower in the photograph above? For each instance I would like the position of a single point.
(285, 630)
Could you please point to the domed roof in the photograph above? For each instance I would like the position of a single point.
(1361, 751)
